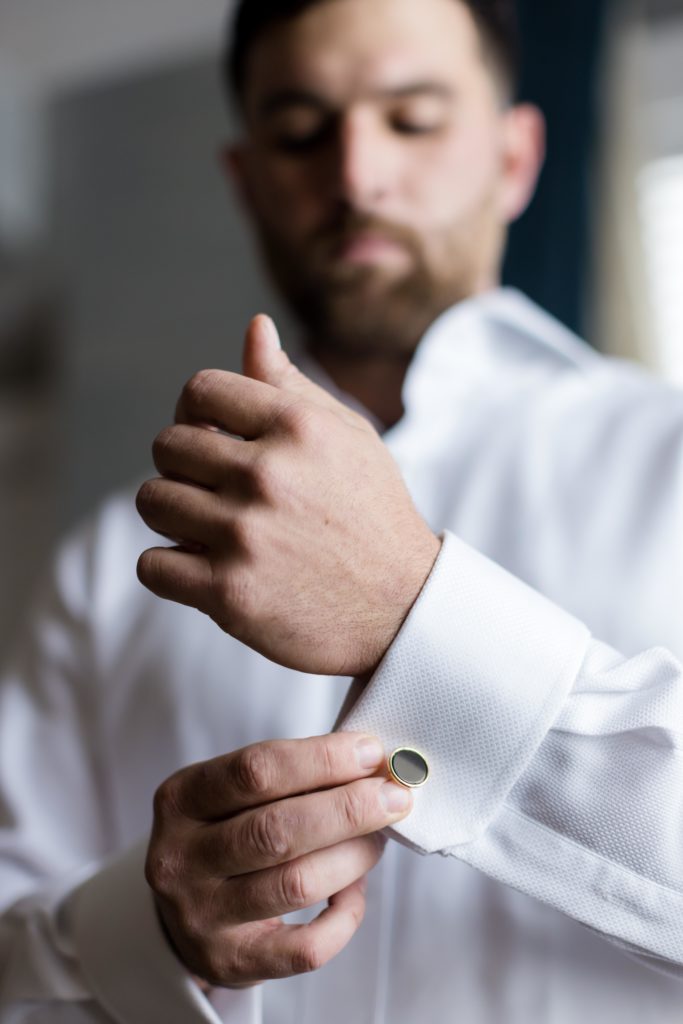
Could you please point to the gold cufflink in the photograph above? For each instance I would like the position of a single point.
(408, 767)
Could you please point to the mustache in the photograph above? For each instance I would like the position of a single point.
(348, 225)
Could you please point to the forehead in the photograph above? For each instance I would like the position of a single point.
(343, 48)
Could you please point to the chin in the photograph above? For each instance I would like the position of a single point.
(360, 310)
(369, 328)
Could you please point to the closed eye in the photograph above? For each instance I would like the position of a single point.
(422, 114)
(302, 142)
(417, 127)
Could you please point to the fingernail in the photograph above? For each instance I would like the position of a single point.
(369, 753)
(395, 798)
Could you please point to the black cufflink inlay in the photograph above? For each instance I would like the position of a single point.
(409, 767)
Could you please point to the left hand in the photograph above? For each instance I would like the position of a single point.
(300, 540)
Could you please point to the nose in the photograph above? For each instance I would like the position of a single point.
(365, 162)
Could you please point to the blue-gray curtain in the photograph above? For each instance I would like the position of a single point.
(549, 250)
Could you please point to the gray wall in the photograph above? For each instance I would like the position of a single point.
(158, 268)
(29, 376)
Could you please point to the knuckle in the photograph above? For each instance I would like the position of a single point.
(263, 477)
(300, 421)
(166, 800)
(253, 771)
(212, 964)
(352, 809)
(307, 957)
(269, 835)
(162, 443)
(246, 900)
(327, 757)
(230, 596)
(237, 961)
(221, 590)
(297, 885)
(197, 386)
(243, 533)
(194, 929)
(163, 869)
(148, 567)
(203, 946)
(147, 496)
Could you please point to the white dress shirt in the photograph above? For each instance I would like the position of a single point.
(556, 762)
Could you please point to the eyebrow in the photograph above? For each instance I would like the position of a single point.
(286, 98)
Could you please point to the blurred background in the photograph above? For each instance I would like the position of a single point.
(125, 265)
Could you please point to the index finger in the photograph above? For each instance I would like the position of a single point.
(236, 404)
(264, 772)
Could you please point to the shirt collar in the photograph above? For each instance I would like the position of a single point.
(467, 342)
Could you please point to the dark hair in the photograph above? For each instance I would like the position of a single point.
(496, 20)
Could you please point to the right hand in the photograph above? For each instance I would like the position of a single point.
(271, 828)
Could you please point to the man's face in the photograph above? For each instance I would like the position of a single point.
(376, 167)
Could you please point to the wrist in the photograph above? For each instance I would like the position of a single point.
(415, 571)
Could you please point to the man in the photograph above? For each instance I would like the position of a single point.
(381, 162)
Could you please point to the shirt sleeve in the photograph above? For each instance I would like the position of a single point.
(555, 762)
(80, 941)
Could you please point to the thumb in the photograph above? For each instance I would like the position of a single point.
(263, 358)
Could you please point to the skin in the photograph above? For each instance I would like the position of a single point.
(264, 831)
(293, 528)
(380, 166)
(278, 547)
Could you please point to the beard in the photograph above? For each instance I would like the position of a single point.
(367, 310)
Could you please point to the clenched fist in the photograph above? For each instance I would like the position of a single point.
(295, 531)
(272, 828)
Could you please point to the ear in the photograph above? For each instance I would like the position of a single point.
(233, 160)
(524, 155)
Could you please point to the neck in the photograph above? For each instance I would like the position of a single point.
(376, 381)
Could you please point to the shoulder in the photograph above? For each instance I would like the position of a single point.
(584, 384)
(591, 448)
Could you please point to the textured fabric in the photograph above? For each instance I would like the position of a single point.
(479, 706)
(140, 989)
(556, 792)
(555, 763)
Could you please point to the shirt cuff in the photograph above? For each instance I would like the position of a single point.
(474, 681)
(126, 960)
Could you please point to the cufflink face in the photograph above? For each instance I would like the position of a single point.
(409, 767)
